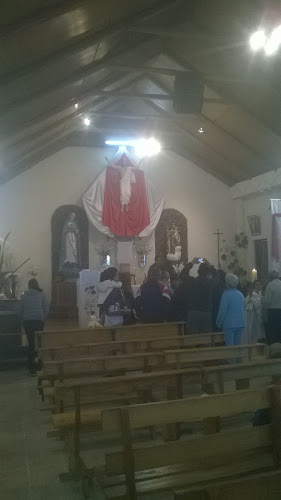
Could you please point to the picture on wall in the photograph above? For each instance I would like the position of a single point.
(255, 225)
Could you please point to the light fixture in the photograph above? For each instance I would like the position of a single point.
(142, 147)
(273, 42)
(200, 130)
(76, 105)
(258, 40)
(87, 121)
(121, 142)
(147, 147)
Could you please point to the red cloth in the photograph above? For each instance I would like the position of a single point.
(130, 222)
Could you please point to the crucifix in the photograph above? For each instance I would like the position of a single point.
(218, 235)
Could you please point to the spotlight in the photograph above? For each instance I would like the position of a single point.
(143, 147)
(258, 40)
(273, 42)
(76, 105)
(121, 142)
(87, 122)
(147, 147)
(200, 130)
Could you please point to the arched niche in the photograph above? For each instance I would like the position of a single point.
(171, 232)
(69, 253)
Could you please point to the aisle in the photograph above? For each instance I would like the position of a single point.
(30, 462)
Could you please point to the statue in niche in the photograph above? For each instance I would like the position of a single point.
(173, 239)
(171, 236)
(70, 254)
(70, 257)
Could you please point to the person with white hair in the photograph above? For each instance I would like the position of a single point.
(272, 302)
(231, 316)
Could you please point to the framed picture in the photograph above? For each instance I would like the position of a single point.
(255, 225)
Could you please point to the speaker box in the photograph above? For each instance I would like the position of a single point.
(188, 93)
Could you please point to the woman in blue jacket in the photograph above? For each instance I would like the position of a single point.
(231, 315)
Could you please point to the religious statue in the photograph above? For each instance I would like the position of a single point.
(70, 259)
(173, 243)
(173, 239)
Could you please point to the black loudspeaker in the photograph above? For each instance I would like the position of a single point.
(188, 93)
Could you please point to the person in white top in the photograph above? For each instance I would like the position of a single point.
(272, 302)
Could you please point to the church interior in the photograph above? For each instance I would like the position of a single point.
(140, 250)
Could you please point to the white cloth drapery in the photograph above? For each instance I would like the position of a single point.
(93, 203)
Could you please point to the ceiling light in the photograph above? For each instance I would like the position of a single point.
(258, 40)
(121, 142)
(143, 147)
(271, 47)
(200, 130)
(273, 42)
(76, 105)
(87, 121)
(147, 147)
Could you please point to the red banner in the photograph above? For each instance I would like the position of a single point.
(132, 220)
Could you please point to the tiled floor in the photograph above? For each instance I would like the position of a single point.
(30, 461)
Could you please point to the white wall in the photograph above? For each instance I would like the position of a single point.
(256, 204)
(28, 202)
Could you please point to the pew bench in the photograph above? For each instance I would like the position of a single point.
(130, 346)
(262, 486)
(181, 357)
(146, 361)
(157, 466)
(108, 334)
(107, 391)
(215, 378)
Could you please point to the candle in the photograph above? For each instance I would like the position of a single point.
(254, 275)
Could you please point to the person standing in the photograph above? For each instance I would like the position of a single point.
(34, 312)
(231, 315)
(272, 302)
(200, 314)
(153, 302)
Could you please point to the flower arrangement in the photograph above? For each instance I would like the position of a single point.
(105, 250)
(142, 247)
(232, 256)
(33, 270)
(178, 268)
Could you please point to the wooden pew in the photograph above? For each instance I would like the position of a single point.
(74, 337)
(109, 391)
(214, 378)
(260, 486)
(158, 467)
(146, 361)
(180, 357)
(130, 346)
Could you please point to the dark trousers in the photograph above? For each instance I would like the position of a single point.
(30, 327)
(274, 326)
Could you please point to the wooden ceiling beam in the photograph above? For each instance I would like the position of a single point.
(88, 39)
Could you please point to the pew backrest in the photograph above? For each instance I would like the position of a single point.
(73, 337)
(181, 356)
(130, 346)
(196, 452)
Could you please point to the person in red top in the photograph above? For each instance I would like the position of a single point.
(153, 303)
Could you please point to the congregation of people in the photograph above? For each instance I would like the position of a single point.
(212, 301)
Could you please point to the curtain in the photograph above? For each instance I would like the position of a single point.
(276, 234)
